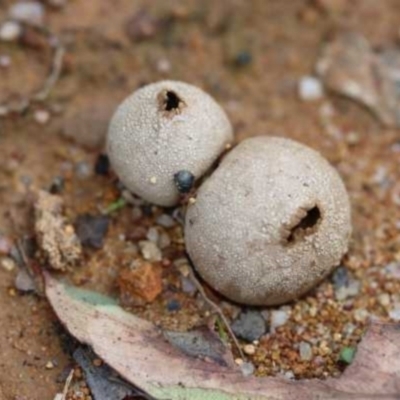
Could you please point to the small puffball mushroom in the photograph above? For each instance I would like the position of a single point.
(269, 223)
(162, 129)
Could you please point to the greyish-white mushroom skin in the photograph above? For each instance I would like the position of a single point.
(269, 223)
(161, 129)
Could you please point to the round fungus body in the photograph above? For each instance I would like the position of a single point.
(269, 223)
(162, 129)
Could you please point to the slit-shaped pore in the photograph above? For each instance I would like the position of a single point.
(307, 224)
(170, 101)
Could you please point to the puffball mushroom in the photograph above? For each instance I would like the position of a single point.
(270, 222)
(162, 129)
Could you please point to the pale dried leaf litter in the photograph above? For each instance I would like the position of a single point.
(349, 66)
(55, 235)
(162, 129)
(139, 352)
(270, 222)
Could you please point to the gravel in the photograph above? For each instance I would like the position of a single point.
(395, 313)
(279, 318)
(166, 221)
(91, 229)
(346, 292)
(10, 31)
(310, 88)
(150, 251)
(27, 11)
(249, 326)
(187, 286)
(305, 351)
(153, 235)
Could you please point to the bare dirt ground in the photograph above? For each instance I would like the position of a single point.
(250, 57)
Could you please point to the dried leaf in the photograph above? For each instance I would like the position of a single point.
(139, 352)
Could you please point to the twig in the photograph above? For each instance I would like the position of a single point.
(216, 309)
(50, 81)
(67, 384)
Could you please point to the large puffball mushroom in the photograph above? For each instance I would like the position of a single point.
(162, 129)
(269, 223)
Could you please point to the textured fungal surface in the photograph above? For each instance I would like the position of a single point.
(270, 222)
(161, 129)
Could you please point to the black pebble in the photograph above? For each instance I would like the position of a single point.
(243, 59)
(173, 305)
(57, 185)
(184, 181)
(91, 229)
(102, 166)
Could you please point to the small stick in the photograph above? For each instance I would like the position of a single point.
(216, 309)
(67, 384)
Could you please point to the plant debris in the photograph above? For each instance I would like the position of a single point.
(138, 351)
(56, 237)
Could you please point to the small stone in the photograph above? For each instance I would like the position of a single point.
(163, 66)
(393, 269)
(166, 221)
(164, 241)
(349, 291)
(5, 245)
(10, 31)
(174, 305)
(153, 235)
(153, 180)
(310, 88)
(340, 277)
(5, 61)
(243, 58)
(140, 285)
(360, 315)
(91, 229)
(238, 361)
(137, 213)
(49, 365)
(83, 170)
(57, 186)
(348, 329)
(249, 349)
(27, 11)
(42, 117)
(188, 286)
(249, 326)
(279, 318)
(150, 251)
(305, 351)
(24, 282)
(384, 299)
(102, 166)
(247, 368)
(8, 264)
(394, 314)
